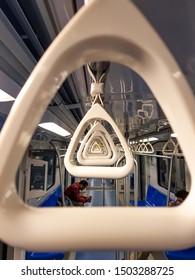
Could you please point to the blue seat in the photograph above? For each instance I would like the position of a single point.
(153, 198)
(52, 199)
(44, 255)
(186, 254)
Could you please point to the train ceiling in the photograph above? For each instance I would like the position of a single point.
(29, 27)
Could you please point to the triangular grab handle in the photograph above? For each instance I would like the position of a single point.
(84, 160)
(169, 147)
(97, 112)
(149, 147)
(123, 36)
(105, 149)
(177, 150)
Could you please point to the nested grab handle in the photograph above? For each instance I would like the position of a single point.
(96, 130)
(95, 167)
(124, 36)
(81, 156)
(99, 138)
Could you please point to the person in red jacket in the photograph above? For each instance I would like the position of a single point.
(73, 192)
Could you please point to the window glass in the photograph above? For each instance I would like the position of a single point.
(177, 173)
(50, 157)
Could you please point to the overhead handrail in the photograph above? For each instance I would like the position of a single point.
(169, 147)
(95, 168)
(125, 38)
(95, 161)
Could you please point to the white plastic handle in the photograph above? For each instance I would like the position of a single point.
(101, 141)
(95, 148)
(124, 36)
(100, 131)
(177, 151)
(166, 150)
(101, 161)
(97, 112)
(144, 148)
(149, 147)
(141, 148)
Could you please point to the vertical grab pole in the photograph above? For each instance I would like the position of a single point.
(60, 171)
(169, 181)
(126, 203)
(135, 183)
(127, 191)
(117, 193)
(126, 255)
(146, 172)
(117, 253)
(103, 184)
(135, 194)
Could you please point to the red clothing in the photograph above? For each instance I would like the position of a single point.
(73, 193)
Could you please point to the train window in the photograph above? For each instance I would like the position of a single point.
(177, 174)
(50, 157)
